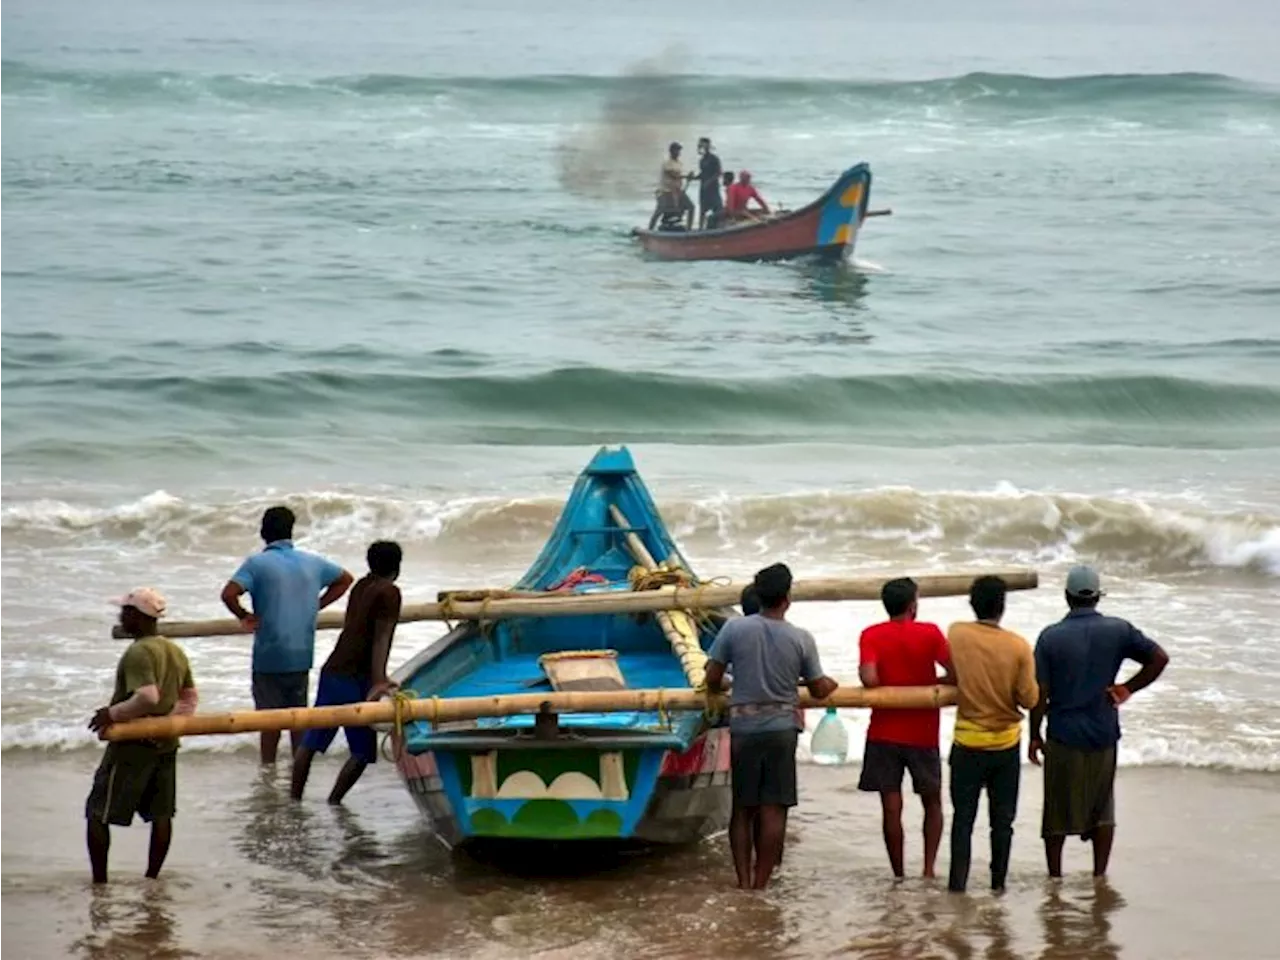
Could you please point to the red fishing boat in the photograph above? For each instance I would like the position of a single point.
(825, 229)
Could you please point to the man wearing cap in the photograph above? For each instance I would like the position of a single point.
(670, 192)
(1077, 660)
(153, 679)
(289, 587)
(769, 657)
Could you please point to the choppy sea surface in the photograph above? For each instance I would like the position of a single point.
(373, 262)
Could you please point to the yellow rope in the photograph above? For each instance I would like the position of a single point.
(664, 719)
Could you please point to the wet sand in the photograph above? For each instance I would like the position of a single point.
(252, 875)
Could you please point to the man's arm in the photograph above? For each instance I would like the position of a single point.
(231, 595)
(384, 629)
(339, 585)
(1041, 660)
(760, 200)
(815, 679)
(1153, 659)
(1028, 691)
(867, 672)
(188, 698)
(715, 676)
(942, 657)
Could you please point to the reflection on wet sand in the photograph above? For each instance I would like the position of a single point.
(1077, 920)
(131, 920)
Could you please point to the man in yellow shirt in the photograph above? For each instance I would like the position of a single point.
(995, 676)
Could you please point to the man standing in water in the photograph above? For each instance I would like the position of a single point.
(708, 177)
(996, 675)
(289, 587)
(903, 652)
(357, 669)
(769, 658)
(1077, 660)
(153, 679)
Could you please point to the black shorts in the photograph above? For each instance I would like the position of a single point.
(278, 691)
(764, 768)
(1079, 790)
(710, 201)
(134, 778)
(883, 765)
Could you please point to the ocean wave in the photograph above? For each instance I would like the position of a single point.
(1125, 535)
(589, 404)
(1018, 92)
(48, 736)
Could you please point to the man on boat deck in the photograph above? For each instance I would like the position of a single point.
(904, 652)
(153, 679)
(357, 669)
(670, 192)
(708, 176)
(739, 195)
(769, 658)
(1077, 660)
(289, 587)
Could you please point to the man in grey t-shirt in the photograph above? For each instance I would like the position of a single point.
(769, 657)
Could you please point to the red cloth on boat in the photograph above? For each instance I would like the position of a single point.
(577, 577)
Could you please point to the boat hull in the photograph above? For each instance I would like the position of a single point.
(572, 793)
(825, 230)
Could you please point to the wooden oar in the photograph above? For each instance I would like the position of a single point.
(706, 596)
(472, 708)
(679, 628)
(886, 212)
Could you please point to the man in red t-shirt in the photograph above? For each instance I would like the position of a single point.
(738, 196)
(902, 652)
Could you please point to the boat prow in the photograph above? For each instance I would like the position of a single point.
(826, 229)
(645, 776)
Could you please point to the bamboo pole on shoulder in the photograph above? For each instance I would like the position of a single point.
(439, 710)
(678, 627)
(700, 597)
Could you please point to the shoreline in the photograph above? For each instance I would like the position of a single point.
(250, 872)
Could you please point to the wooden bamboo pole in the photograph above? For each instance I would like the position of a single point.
(472, 708)
(701, 597)
(677, 626)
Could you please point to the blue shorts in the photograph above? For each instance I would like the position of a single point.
(337, 691)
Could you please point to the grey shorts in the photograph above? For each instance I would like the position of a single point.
(764, 768)
(884, 763)
(278, 691)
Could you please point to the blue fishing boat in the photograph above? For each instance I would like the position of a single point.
(655, 777)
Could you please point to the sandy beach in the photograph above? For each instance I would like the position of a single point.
(252, 875)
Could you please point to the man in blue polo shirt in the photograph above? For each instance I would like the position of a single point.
(288, 587)
(1077, 660)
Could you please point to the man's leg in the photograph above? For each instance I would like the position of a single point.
(891, 827)
(1053, 855)
(161, 836)
(1003, 779)
(933, 819)
(657, 212)
(347, 778)
(269, 745)
(302, 758)
(741, 829)
(882, 769)
(99, 842)
(1103, 838)
(966, 788)
(769, 847)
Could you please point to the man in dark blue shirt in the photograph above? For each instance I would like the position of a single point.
(1077, 660)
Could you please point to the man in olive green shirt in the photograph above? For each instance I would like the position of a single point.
(153, 679)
